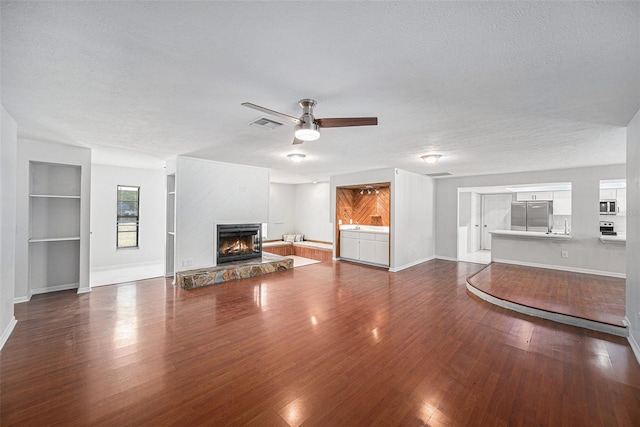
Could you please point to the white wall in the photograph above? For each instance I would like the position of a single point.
(282, 217)
(633, 233)
(585, 249)
(412, 219)
(8, 173)
(312, 211)
(207, 193)
(29, 150)
(300, 209)
(109, 265)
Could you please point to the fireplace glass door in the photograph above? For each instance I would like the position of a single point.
(238, 242)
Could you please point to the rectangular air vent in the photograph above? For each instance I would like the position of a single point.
(265, 123)
(437, 174)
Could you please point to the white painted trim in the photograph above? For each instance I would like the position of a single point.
(84, 290)
(411, 264)
(19, 300)
(632, 341)
(621, 331)
(447, 258)
(54, 288)
(113, 274)
(563, 268)
(7, 332)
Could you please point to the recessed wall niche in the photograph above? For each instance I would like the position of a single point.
(364, 205)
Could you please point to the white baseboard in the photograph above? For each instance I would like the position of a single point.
(411, 264)
(19, 300)
(54, 288)
(621, 331)
(446, 258)
(7, 331)
(563, 268)
(113, 274)
(632, 341)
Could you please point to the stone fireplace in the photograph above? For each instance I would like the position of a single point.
(237, 242)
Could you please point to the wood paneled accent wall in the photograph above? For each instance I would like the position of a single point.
(364, 209)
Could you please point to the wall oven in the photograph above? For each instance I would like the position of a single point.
(608, 207)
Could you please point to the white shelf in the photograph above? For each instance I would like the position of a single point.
(172, 193)
(54, 226)
(53, 239)
(530, 234)
(171, 233)
(53, 196)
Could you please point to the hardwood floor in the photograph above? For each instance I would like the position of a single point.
(586, 296)
(330, 344)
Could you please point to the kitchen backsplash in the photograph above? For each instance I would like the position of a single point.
(558, 222)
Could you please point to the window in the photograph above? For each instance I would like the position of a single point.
(128, 216)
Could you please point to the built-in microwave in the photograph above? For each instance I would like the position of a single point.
(608, 207)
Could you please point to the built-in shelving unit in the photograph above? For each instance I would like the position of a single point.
(171, 222)
(54, 226)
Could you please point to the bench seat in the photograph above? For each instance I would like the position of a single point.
(320, 251)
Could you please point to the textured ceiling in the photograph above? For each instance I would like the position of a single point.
(492, 86)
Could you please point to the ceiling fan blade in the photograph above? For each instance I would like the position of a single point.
(297, 141)
(346, 122)
(273, 113)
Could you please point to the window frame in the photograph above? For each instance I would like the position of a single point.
(125, 220)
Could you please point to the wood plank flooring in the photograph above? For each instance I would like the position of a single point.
(586, 296)
(330, 344)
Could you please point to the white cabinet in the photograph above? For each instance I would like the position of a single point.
(349, 245)
(372, 248)
(367, 247)
(54, 226)
(562, 202)
(534, 195)
(617, 194)
(607, 194)
(621, 200)
(381, 254)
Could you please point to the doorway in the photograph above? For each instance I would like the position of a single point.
(496, 215)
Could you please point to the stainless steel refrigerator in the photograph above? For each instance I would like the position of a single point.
(532, 216)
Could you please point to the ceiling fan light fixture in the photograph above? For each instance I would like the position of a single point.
(296, 157)
(307, 131)
(431, 158)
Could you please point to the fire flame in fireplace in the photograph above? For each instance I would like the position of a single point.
(239, 246)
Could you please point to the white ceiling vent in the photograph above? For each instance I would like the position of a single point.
(437, 174)
(265, 123)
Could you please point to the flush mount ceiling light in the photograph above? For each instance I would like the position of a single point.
(431, 158)
(296, 157)
(307, 131)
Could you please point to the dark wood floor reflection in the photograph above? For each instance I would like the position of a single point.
(330, 344)
(587, 296)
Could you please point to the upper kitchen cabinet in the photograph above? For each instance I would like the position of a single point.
(614, 193)
(562, 202)
(607, 193)
(621, 198)
(534, 195)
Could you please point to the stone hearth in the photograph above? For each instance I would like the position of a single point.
(233, 271)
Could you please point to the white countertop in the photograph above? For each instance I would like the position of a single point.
(365, 228)
(531, 234)
(620, 238)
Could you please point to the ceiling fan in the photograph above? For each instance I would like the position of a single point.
(308, 127)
